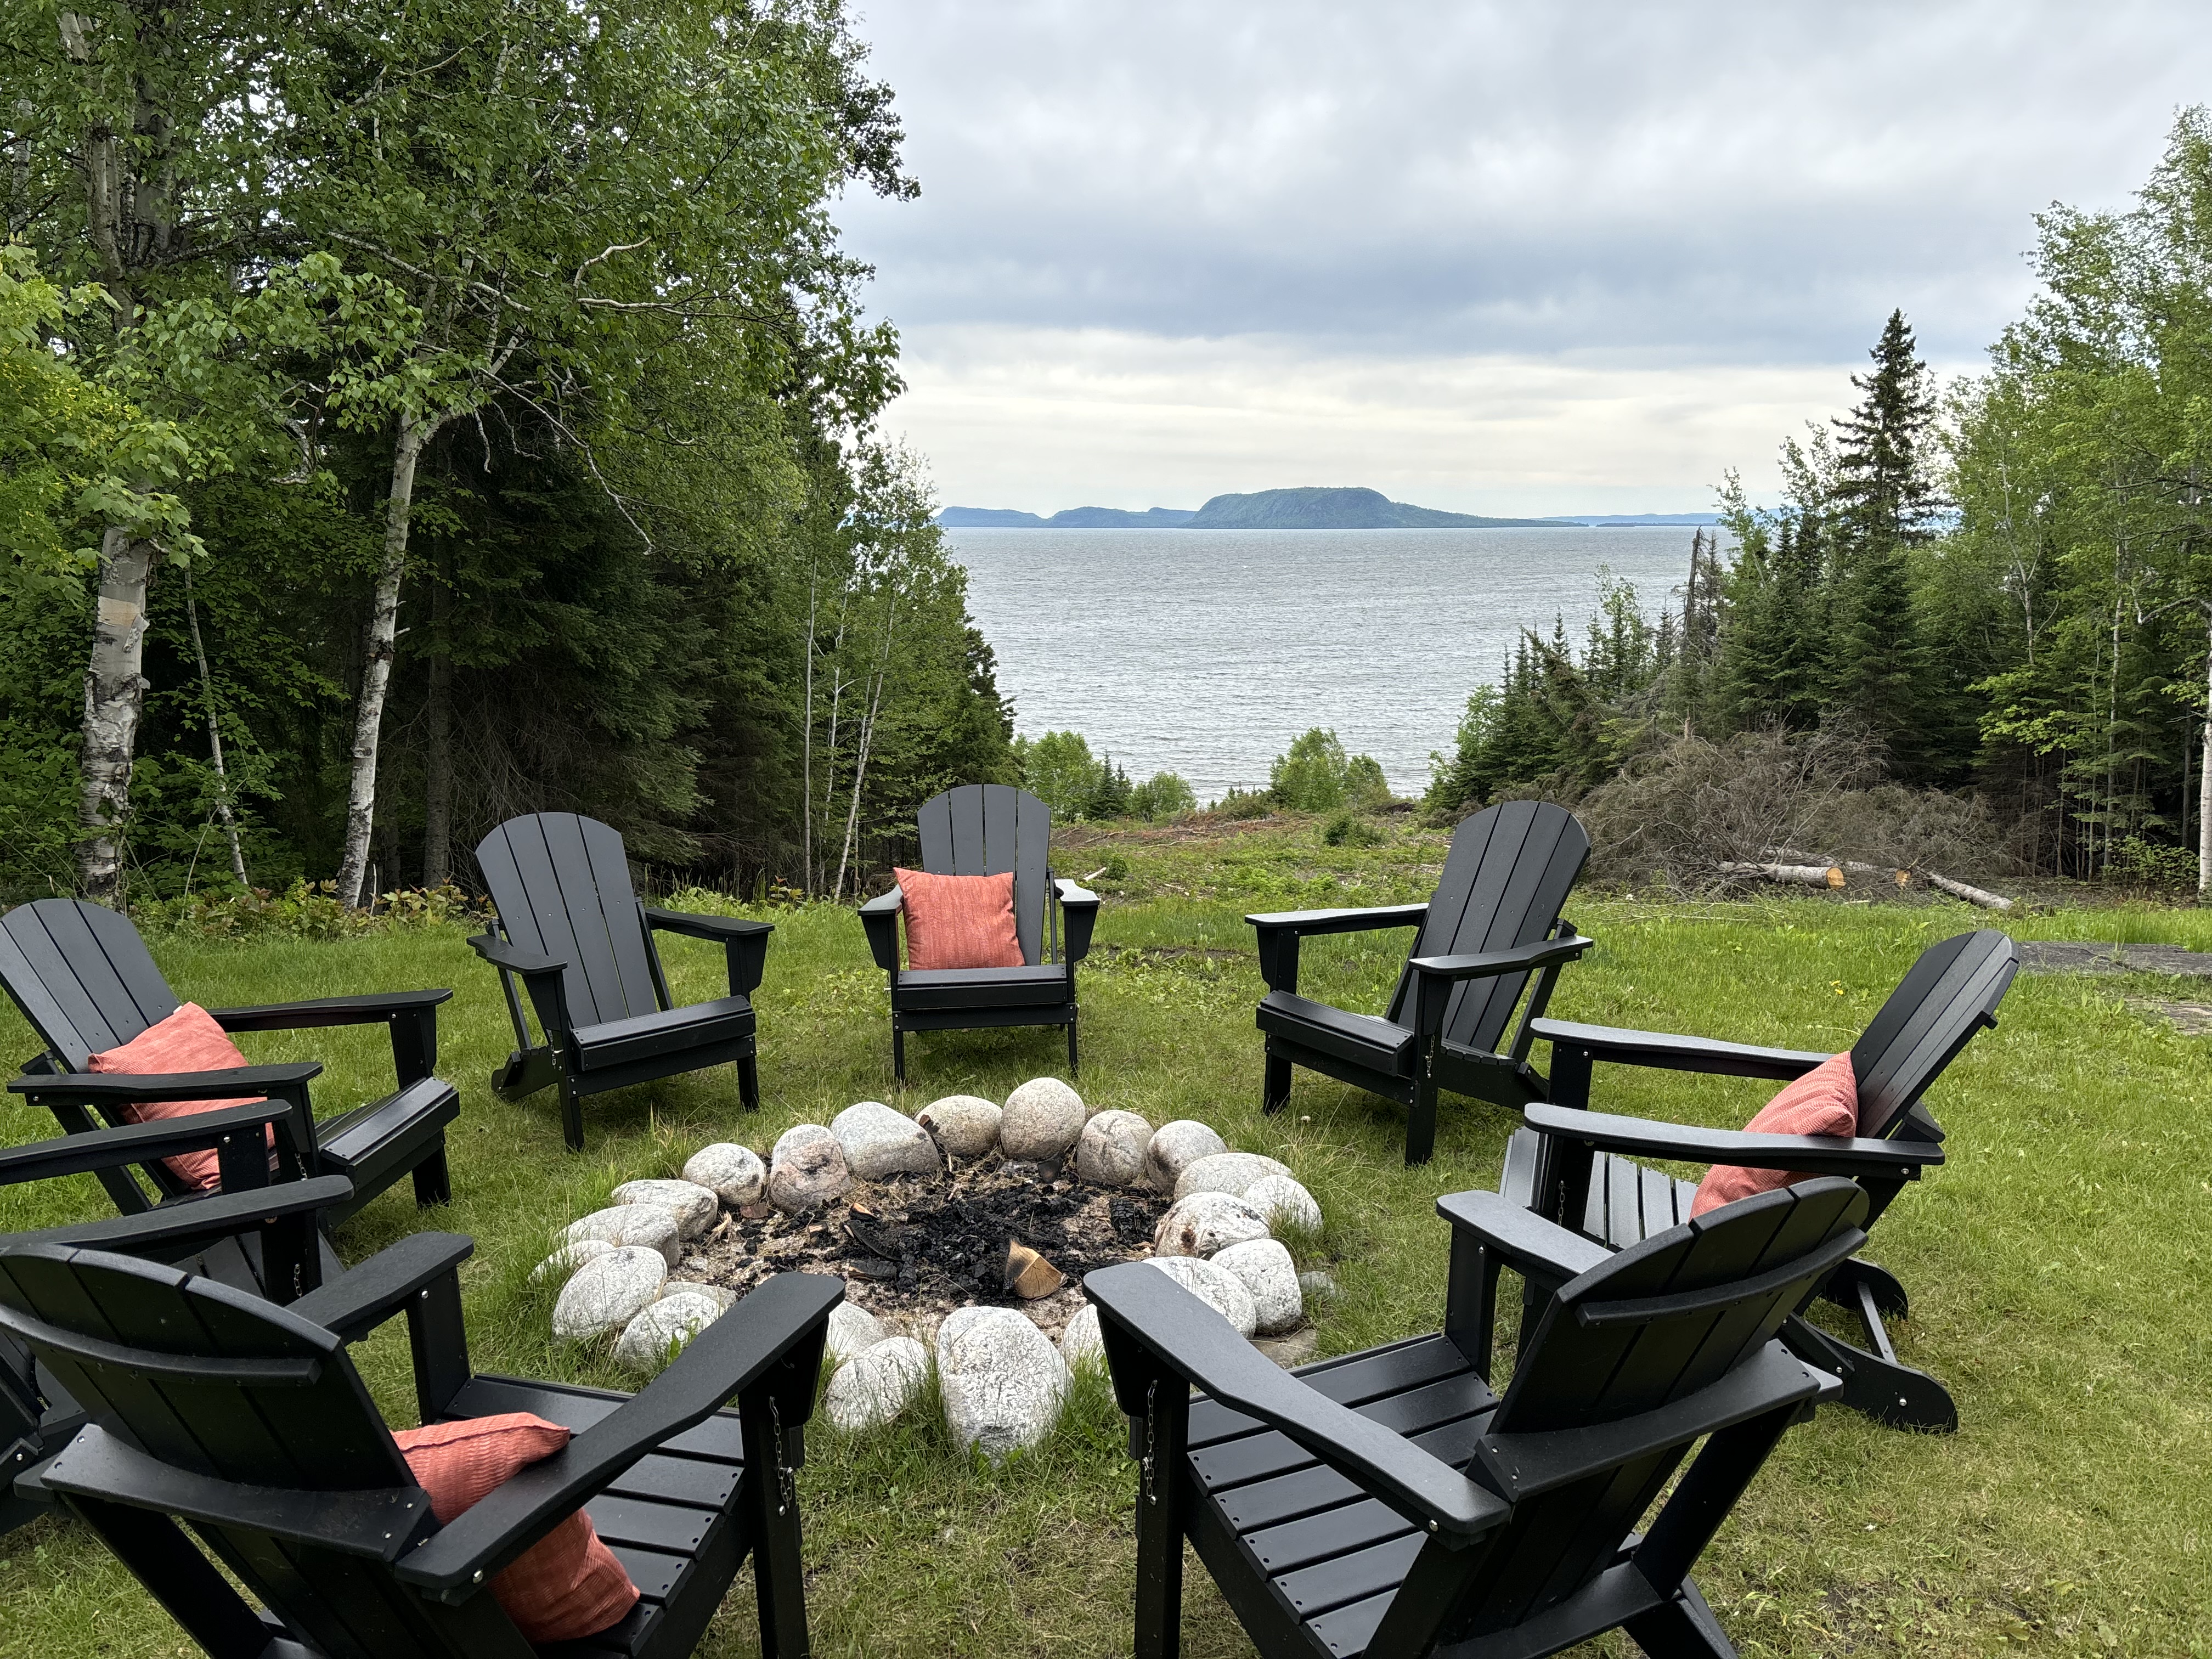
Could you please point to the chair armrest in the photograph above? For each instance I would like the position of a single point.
(192, 1223)
(729, 1357)
(880, 917)
(1078, 911)
(1488, 964)
(498, 952)
(1672, 1053)
(714, 929)
(1279, 932)
(1202, 1348)
(328, 1011)
(412, 1015)
(1838, 1155)
(133, 1143)
(380, 1523)
(1341, 921)
(175, 1086)
(745, 943)
(364, 1298)
(1520, 1238)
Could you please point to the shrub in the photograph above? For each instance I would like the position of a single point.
(1315, 775)
(1162, 795)
(1243, 803)
(309, 910)
(1346, 830)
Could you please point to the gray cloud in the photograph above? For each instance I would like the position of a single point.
(1652, 184)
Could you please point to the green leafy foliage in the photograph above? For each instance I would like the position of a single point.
(1315, 775)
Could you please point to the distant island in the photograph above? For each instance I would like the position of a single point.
(1294, 509)
(1341, 509)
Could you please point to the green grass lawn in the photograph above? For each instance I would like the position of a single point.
(2057, 1263)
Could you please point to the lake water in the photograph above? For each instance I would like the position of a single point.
(1204, 652)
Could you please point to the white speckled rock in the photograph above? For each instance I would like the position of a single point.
(1110, 1151)
(1080, 1343)
(1175, 1147)
(966, 1126)
(1041, 1120)
(721, 1295)
(1266, 1267)
(605, 1295)
(1234, 1172)
(806, 1170)
(660, 1327)
(877, 1141)
(733, 1174)
(650, 1226)
(1216, 1286)
(696, 1206)
(570, 1257)
(873, 1387)
(852, 1330)
(1003, 1381)
(1206, 1223)
(1288, 1206)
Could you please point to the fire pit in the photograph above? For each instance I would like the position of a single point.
(962, 1235)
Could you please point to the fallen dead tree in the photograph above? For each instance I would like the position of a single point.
(1802, 875)
(1980, 896)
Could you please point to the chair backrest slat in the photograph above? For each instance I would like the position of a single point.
(1575, 1373)
(1933, 1013)
(1508, 871)
(82, 977)
(562, 885)
(988, 829)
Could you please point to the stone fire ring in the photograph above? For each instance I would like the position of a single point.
(1003, 1380)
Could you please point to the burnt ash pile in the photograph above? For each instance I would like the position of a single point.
(913, 1246)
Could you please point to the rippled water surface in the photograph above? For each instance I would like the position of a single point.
(1204, 652)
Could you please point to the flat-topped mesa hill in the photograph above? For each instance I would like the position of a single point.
(1341, 509)
(1266, 509)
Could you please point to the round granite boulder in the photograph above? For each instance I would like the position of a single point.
(733, 1174)
(1110, 1151)
(1175, 1147)
(1003, 1382)
(877, 1141)
(1205, 1224)
(965, 1126)
(806, 1170)
(1041, 1120)
(696, 1206)
(606, 1294)
(1234, 1172)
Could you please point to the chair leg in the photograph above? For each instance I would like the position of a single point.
(1072, 1063)
(1880, 1386)
(434, 1183)
(749, 1082)
(898, 1056)
(572, 1114)
(1275, 1086)
(1164, 1432)
(771, 1503)
(1684, 1628)
(1421, 1122)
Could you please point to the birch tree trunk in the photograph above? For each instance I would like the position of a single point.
(376, 673)
(229, 819)
(114, 704)
(438, 753)
(2204, 778)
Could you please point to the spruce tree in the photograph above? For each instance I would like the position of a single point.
(1885, 504)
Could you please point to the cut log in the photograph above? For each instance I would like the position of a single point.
(1027, 1274)
(1804, 875)
(1982, 897)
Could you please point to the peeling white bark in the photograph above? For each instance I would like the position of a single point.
(114, 704)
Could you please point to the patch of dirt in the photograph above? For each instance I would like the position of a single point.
(2189, 1019)
(2048, 956)
(912, 1248)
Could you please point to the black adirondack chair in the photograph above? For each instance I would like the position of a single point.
(259, 1234)
(1490, 927)
(573, 929)
(249, 1423)
(82, 977)
(1579, 1167)
(1390, 1504)
(987, 830)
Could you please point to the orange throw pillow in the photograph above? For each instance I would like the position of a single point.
(566, 1585)
(1823, 1102)
(187, 1041)
(959, 922)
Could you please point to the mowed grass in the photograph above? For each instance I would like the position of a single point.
(2056, 1264)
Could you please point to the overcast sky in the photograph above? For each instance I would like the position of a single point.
(1532, 257)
